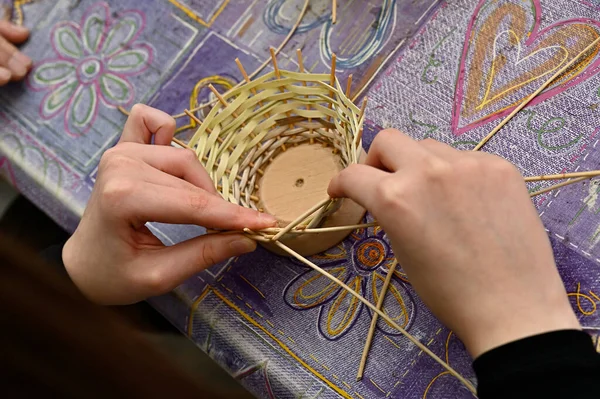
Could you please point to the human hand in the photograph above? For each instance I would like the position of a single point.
(464, 229)
(112, 257)
(14, 65)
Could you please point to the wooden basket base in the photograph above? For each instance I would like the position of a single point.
(296, 180)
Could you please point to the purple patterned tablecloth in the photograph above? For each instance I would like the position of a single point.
(447, 70)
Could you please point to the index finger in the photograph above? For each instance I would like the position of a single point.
(392, 150)
(152, 203)
(359, 183)
(177, 162)
(145, 122)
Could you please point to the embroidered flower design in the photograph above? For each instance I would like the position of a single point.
(362, 262)
(93, 61)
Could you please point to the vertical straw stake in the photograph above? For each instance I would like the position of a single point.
(248, 80)
(265, 63)
(349, 85)
(334, 12)
(278, 76)
(380, 300)
(311, 140)
(332, 79)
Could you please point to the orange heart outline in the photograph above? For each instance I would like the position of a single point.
(478, 47)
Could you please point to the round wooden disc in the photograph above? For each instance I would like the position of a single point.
(295, 181)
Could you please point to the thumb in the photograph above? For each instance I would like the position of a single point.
(144, 122)
(179, 262)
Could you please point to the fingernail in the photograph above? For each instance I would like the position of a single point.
(243, 245)
(19, 63)
(270, 219)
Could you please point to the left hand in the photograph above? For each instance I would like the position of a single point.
(112, 257)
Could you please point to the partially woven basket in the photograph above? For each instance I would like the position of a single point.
(254, 123)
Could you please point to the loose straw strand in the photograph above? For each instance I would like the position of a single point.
(335, 228)
(534, 94)
(559, 185)
(298, 230)
(559, 176)
(301, 218)
(365, 353)
(379, 312)
(123, 110)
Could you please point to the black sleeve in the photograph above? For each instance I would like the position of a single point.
(560, 364)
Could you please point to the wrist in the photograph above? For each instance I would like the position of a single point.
(70, 258)
(67, 254)
(519, 325)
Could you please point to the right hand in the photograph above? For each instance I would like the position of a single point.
(14, 65)
(464, 229)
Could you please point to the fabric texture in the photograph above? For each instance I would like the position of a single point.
(447, 70)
